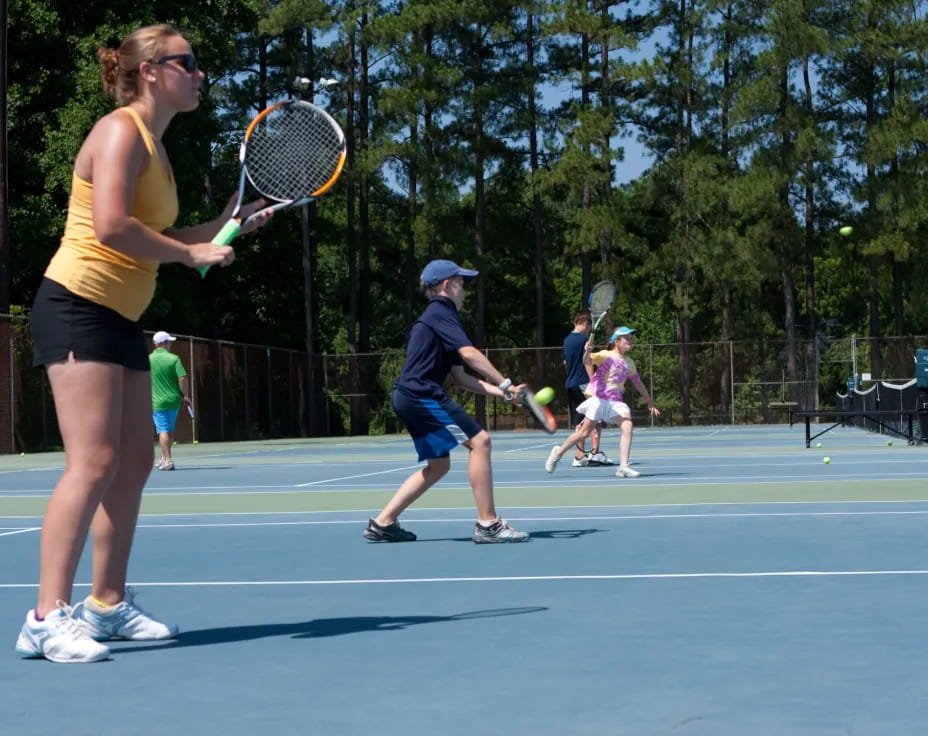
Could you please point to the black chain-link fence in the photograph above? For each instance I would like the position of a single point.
(245, 392)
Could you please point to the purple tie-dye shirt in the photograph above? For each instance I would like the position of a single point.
(609, 380)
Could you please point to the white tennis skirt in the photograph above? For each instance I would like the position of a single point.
(603, 410)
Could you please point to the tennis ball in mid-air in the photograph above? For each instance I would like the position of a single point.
(889, 443)
(818, 444)
(22, 454)
(545, 395)
(826, 460)
(846, 230)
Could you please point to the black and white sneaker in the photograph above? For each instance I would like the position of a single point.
(390, 533)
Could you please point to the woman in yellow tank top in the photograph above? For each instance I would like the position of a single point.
(85, 332)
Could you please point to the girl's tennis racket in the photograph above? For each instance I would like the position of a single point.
(293, 152)
(601, 298)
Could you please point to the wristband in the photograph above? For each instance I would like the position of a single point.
(507, 382)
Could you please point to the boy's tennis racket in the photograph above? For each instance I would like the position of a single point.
(542, 414)
(601, 298)
(293, 152)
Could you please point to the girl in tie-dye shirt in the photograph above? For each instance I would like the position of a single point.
(606, 399)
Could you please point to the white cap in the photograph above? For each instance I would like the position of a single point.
(162, 336)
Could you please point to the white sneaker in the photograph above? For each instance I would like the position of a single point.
(581, 462)
(626, 472)
(59, 637)
(553, 458)
(599, 458)
(123, 621)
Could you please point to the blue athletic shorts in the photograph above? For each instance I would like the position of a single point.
(437, 426)
(164, 420)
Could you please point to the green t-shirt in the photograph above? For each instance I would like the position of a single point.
(166, 368)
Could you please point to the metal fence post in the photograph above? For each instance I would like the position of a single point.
(193, 392)
(731, 376)
(651, 377)
(12, 394)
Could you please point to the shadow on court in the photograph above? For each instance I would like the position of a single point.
(315, 629)
(556, 534)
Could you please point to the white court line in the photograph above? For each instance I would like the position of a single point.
(512, 578)
(412, 511)
(20, 531)
(530, 447)
(597, 481)
(628, 517)
(362, 475)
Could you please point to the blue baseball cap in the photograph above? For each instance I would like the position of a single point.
(437, 271)
(621, 332)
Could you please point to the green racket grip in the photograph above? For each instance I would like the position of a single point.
(225, 236)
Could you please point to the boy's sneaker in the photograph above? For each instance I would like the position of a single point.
(626, 472)
(581, 462)
(497, 533)
(390, 533)
(552, 461)
(599, 458)
(59, 637)
(123, 621)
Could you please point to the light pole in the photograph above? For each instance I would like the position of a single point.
(307, 90)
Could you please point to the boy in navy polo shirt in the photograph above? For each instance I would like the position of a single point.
(437, 346)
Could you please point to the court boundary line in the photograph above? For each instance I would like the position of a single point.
(453, 519)
(433, 509)
(510, 578)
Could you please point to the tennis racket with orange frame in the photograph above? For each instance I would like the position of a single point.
(292, 153)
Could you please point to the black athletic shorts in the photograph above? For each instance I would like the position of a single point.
(575, 397)
(64, 323)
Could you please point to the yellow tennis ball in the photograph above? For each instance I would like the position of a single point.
(196, 442)
(818, 444)
(826, 460)
(22, 454)
(889, 443)
(846, 230)
(545, 395)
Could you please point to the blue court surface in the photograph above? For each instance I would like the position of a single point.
(739, 586)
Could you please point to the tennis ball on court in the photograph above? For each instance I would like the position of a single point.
(196, 442)
(889, 443)
(545, 395)
(846, 230)
(826, 460)
(22, 454)
(818, 444)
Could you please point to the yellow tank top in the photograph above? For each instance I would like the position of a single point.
(104, 275)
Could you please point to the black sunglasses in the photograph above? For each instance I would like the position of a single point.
(187, 61)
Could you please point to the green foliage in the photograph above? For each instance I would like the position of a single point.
(730, 234)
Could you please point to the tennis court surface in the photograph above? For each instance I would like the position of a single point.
(739, 586)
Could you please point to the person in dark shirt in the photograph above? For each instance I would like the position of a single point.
(576, 344)
(437, 345)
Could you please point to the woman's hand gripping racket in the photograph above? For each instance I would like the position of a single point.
(601, 298)
(526, 397)
(292, 153)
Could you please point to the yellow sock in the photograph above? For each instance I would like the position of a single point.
(99, 602)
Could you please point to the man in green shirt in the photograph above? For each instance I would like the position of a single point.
(168, 388)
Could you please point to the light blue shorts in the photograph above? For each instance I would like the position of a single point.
(165, 420)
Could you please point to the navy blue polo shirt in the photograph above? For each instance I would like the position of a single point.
(573, 359)
(432, 350)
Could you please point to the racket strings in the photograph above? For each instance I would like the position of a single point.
(292, 153)
(601, 298)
